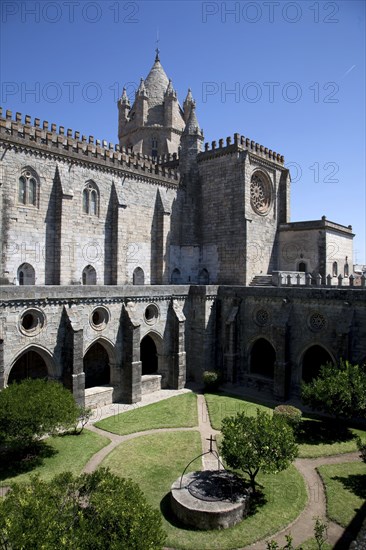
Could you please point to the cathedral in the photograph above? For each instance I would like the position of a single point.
(136, 266)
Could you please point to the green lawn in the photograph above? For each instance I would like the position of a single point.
(221, 405)
(155, 461)
(57, 454)
(317, 437)
(337, 443)
(175, 412)
(345, 486)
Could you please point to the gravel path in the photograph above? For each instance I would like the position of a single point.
(301, 528)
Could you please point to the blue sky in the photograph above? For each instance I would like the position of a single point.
(290, 75)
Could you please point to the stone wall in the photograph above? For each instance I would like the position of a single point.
(194, 328)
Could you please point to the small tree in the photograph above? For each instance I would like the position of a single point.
(338, 390)
(33, 408)
(90, 512)
(257, 443)
(290, 414)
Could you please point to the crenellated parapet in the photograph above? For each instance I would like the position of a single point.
(240, 143)
(66, 142)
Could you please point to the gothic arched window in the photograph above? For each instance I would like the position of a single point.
(91, 199)
(335, 269)
(28, 188)
(154, 147)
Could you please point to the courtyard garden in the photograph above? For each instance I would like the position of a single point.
(152, 445)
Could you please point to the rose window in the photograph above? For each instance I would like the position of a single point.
(260, 194)
(262, 317)
(317, 321)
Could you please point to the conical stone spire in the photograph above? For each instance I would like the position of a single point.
(156, 83)
(170, 90)
(192, 126)
(141, 89)
(124, 97)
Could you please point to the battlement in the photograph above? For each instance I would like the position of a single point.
(46, 135)
(241, 143)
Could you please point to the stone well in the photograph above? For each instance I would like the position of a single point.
(212, 499)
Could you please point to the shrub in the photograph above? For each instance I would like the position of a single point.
(89, 512)
(34, 408)
(339, 390)
(211, 379)
(290, 414)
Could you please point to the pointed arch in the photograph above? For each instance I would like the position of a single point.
(32, 362)
(151, 347)
(262, 358)
(28, 187)
(91, 198)
(176, 278)
(312, 359)
(203, 277)
(97, 362)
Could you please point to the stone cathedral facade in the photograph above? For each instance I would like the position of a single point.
(135, 266)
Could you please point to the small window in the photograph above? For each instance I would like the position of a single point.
(203, 277)
(138, 277)
(89, 275)
(86, 201)
(335, 269)
(32, 191)
(91, 199)
(93, 203)
(346, 270)
(154, 147)
(176, 278)
(26, 275)
(22, 187)
(302, 267)
(27, 188)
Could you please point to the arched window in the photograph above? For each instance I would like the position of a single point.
(302, 267)
(262, 358)
(26, 275)
(89, 276)
(28, 187)
(93, 203)
(154, 147)
(176, 277)
(203, 277)
(86, 201)
(138, 276)
(346, 268)
(91, 199)
(22, 190)
(335, 269)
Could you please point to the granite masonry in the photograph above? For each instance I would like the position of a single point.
(130, 267)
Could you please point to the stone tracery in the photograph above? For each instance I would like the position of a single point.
(260, 194)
